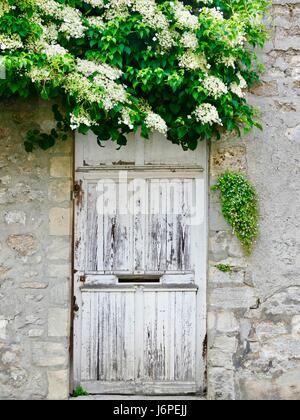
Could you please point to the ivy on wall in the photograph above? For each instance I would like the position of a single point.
(177, 67)
(239, 207)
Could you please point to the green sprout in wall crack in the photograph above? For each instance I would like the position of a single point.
(239, 207)
(225, 268)
(80, 392)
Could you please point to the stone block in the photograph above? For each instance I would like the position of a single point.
(58, 385)
(226, 322)
(266, 88)
(24, 245)
(217, 358)
(60, 249)
(59, 191)
(224, 343)
(59, 222)
(46, 354)
(232, 298)
(268, 330)
(218, 246)
(60, 293)
(220, 384)
(15, 217)
(219, 277)
(288, 385)
(228, 159)
(60, 167)
(58, 322)
(254, 388)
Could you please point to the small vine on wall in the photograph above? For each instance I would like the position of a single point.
(239, 207)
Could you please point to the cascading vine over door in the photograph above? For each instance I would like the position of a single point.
(140, 250)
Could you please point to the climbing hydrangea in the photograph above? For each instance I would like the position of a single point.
(178, 67)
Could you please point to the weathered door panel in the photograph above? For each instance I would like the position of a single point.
(157, 349)
(140, 263)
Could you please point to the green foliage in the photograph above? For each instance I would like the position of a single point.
(225, 268)
(153, 72)
(80, 392)
(239, 207)
(46, 140)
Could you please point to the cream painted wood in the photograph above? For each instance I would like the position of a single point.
(140, 280)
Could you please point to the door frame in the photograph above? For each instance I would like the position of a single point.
(201, 368)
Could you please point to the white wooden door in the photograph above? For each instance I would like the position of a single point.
(140, 282)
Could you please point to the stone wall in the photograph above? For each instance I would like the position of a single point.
(254, 312)
(35, 258)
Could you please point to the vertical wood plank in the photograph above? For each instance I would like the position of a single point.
(100, 190)
(157, 221)
(110, 227)
(174, 234)
(140, 200)
(80, 230)
(150, 335)
(92, 228)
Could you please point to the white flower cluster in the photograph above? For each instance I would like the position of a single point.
(214, 13)
(70, 18)
(189, 40)
(95, 3)
(207, 114)
(49, 7)
(215, 87)
(151, 14)
(54, 50)
(72, 25)
(113, 92)
(185, 19)
(104, 77)
(88, 68)
(96, 21)
(117, 8)
(4, 7)
(39, 75)
(12, 42)
(191, 61)
(82, 118)
(228, 61)
(93, 82)
(167, 39)
(126, 118)
(50, 33)
(102, 88)
(238, 89)
(156, 123)
(83, 89)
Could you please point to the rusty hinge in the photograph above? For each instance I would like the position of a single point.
(77, 191)
(82, 279)
(75, 306)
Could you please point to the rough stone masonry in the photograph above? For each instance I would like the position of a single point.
(35, 258)
(254, 312)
